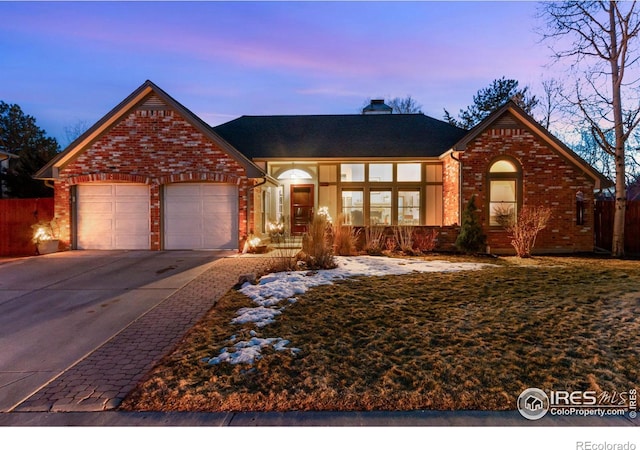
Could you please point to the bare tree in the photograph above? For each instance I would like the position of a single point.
(549, 103)
(72, 132)
(405, 105)
(602, 47)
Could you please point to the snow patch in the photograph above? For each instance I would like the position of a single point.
(247, 352)
(261, 316)
(276, 287)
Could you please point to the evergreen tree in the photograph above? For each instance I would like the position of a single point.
(20, 135)
(471, 239)
(489, 99)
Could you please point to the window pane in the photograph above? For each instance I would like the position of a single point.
(352, 172)
(352, 207)
(380, 172)
(503, 190)
(503, 200)
(295, 174)
(409, 208)
(380, 207)
(500, 209)
(502, 166)
(409, 172)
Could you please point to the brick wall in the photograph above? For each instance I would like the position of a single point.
(152, 146)
(547, 179)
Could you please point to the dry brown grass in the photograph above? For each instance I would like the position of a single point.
(468, 340)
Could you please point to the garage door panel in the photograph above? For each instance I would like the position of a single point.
(212, 209)
(131, 226)
(127, 242)
(100, 207)
(131, 207)
(185, 208)
(97, 190)
(218, 190)
(185, 190)
(128, 190)
(113, 217)
(201, 216)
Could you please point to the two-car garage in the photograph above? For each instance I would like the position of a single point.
(195, 216)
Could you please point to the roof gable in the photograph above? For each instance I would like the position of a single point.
(152, 97)
(511, 115)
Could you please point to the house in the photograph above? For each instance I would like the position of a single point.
(4, 166)
(152, 175)
(633, 191)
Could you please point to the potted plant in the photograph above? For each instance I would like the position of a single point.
(45, 236)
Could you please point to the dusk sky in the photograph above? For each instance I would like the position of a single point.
(69, 62)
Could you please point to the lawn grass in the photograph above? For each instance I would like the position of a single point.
(447, 341)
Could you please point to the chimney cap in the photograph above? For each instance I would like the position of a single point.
(377, 106)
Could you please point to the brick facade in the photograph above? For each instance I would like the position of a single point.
(152, 146)
(548, 179)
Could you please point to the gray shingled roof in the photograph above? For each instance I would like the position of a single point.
(340, 136)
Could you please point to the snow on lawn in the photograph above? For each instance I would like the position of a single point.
(274, 288)
(248, 351)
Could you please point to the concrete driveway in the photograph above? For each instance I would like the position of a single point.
(56, 309)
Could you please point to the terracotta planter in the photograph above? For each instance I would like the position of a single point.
(45, 247)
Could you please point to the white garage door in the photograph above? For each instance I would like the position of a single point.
(200, 216)
(113, 216)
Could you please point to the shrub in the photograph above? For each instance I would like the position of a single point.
(344, 238)
(470, 239)
(374, 240)
(283, 257)
(390, 243)
(425, 241)
(317, 244)
(524, 228)
(404, 237)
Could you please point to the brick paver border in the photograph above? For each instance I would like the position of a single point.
(102, 379)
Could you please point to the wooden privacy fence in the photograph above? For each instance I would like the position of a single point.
(604, 212)
(16, 218)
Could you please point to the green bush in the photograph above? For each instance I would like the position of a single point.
(471, 239)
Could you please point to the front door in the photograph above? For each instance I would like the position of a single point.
(302, 201)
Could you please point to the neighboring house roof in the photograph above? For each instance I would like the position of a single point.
(633, 192)
(77, 147)
(6, 155)
(520, 115)
(340, 136)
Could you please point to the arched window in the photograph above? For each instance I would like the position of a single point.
(505, 189)
(295, 174)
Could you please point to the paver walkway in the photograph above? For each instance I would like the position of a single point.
(101, 380)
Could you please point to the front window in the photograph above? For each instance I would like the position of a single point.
(352, 207)
(410, 172)
(380, 172)
(380, 207)
(409, 207)
(351, 172)
(504, 186)
(386, 193)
